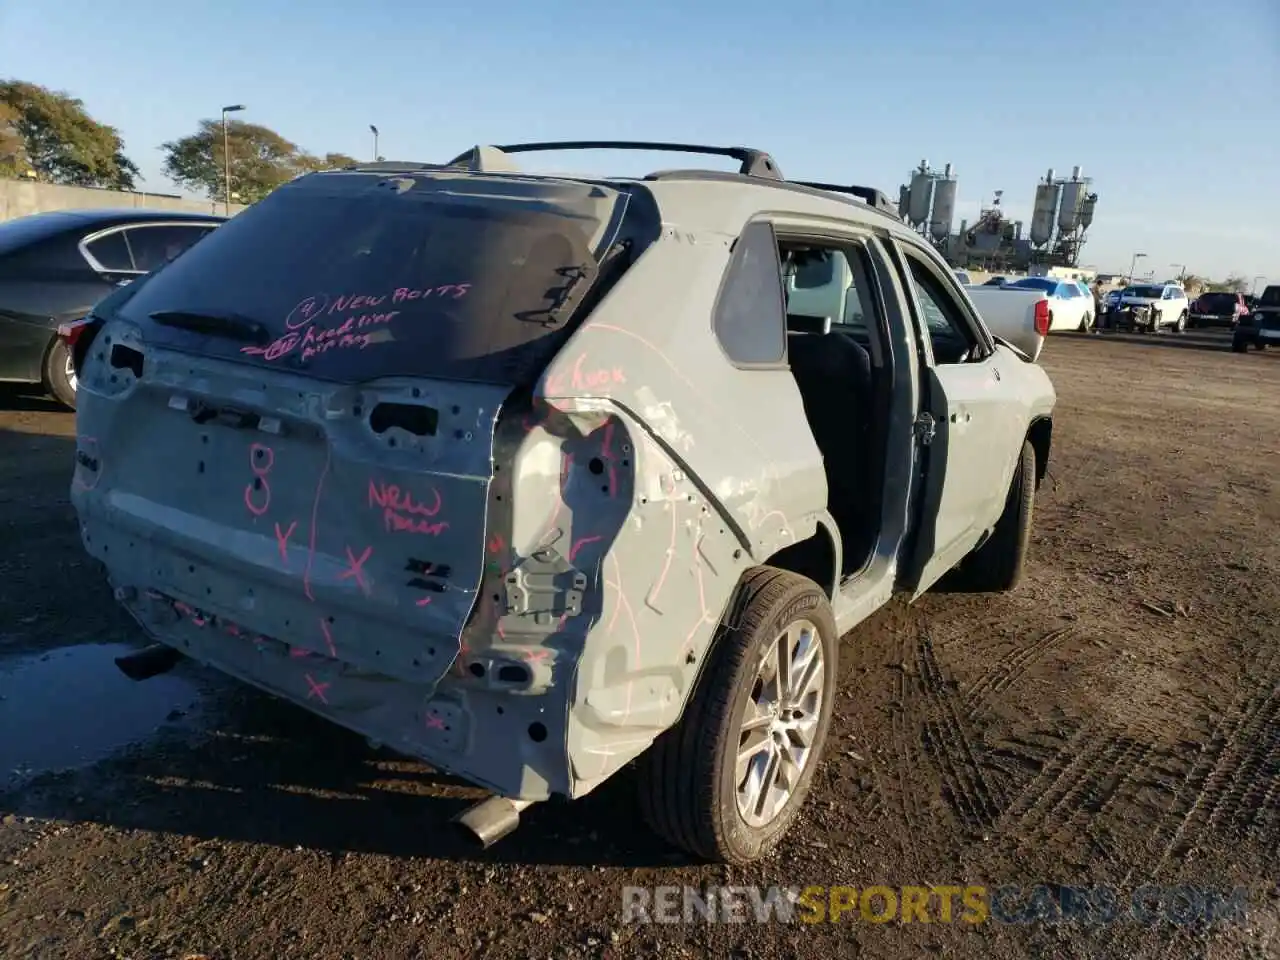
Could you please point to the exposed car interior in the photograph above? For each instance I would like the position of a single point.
(837, 358)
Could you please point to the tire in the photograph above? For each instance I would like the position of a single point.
(1239, 345)
(1086, 323)
(59, 378)
(998, 564)
(1181, 323)
(689, 779)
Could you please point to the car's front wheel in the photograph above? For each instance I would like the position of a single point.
(1181, 323)
(728, 780)
(60, 374)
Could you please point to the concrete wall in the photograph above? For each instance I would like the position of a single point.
(20, 198)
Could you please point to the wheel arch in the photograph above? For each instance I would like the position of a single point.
(817, 557)
(1040, 436)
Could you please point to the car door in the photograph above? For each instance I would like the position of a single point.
(968, 459)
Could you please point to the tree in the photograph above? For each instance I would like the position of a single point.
(305, 162)
(13, 152)
(1237, 284)
(59, 140)
(261, 160)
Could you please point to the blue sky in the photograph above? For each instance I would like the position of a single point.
(1171, 106)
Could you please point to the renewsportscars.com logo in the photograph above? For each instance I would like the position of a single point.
(968, 904)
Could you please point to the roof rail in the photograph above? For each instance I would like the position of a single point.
(753, 163)
(872, 196)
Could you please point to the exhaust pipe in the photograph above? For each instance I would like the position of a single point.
(490, 820)
(149, 662)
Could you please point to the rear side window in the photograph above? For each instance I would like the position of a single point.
(1270, 297)
(750, 317)
(111, 251)
(355, 276)
(155, 246)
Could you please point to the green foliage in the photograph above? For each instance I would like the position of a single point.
(51, 133)
(330, 161)
(261, 160)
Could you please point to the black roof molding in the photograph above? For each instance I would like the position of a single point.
(752, 162)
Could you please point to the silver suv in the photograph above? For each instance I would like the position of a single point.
(531, 476)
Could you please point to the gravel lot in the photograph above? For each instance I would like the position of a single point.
(1115, 721)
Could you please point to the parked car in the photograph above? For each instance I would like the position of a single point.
(1217, 308)
(55, 266)
(445, 456)
(995, 281)
(1151, 306)
(1261, 328)
(963, 277)
(1070, 305)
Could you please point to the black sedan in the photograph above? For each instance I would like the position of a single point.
(55, 266)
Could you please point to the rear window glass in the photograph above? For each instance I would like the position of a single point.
(1218, 299)
(1146, 293)
(1270, 296)
(356, 276)
(1035, 283)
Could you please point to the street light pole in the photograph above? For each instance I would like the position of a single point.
(226, 152)
(1253, 287)
(1182, 270)
(375, 142)
(1133, 265)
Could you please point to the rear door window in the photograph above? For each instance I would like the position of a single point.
(155, 246)
(352, 276)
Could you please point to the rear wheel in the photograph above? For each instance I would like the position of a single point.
(60, 375)
(998, 564)
(728, 780)
(1240, 345)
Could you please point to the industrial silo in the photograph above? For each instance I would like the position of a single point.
(1045, 211)
(1073, 194)
(944, 205)
(1086, 211)
(921, 194)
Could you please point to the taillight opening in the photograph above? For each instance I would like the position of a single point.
(1042, 317)
(78, 336)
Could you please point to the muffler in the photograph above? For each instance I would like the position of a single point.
(490, 820)
(148, 662)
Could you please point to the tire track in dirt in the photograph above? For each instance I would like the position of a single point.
(1008, 671)
(902, 712)
(949, 742)
(1240, 760)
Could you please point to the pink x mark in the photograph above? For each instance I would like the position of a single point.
(435, 721)
(317, 689)
(355, 568)
(536, 656)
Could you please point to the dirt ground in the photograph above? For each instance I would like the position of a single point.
(1115, 721)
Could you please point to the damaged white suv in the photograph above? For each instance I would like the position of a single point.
(531, 476)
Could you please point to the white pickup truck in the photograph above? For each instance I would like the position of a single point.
(1021, 317)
